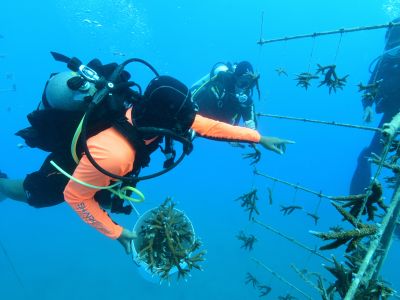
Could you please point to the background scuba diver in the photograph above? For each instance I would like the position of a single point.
(385, 94)
(226, 95)
(166, 104)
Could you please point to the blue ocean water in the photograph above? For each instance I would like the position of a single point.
(56, 256)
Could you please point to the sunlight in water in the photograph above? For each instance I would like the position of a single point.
(392, 8)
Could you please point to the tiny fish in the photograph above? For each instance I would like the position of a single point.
(118, 53)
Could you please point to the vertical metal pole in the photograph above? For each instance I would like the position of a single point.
(386, 242)
(374, 246)
(390, 130)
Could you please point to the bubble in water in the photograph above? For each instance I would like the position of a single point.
(105, 20)
(392, 8)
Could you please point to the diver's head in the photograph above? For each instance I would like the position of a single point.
(59, 95)
(242, 68)
(167, 104)
(246, 79)
(392, 37)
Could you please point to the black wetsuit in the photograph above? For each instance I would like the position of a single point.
(386, 102)
(217, 100)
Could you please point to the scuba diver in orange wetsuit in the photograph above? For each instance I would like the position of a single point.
(119, 127)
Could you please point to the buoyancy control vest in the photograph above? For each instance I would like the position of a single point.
(105, 95)
(387, 73)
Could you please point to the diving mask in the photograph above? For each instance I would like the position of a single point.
(247, 80)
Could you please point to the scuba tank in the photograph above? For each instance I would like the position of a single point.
(102, 94)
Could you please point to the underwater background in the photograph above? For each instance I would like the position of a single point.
(55, 255)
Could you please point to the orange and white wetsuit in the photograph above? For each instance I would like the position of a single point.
(115, 154)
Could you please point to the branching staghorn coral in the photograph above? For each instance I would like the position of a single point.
(303, 79)
(264, 290)
(251, 279)
(343, 277)
(248, 240)
(249, 202)
(375, 198)
(372, 290)
(331, 80)
(353, 237)
(168, 242)
(287, 210)
(326, 294)
(254, 156)
(313, 216)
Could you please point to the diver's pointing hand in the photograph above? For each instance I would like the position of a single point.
(125, 239)
(274, 144)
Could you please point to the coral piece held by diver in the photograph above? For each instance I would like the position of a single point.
(249, 202)
(168, 242)
(248, 240)
(287, 210)
(303, 79)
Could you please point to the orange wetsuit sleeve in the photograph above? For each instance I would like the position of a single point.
(113, 153)
(213, 129)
